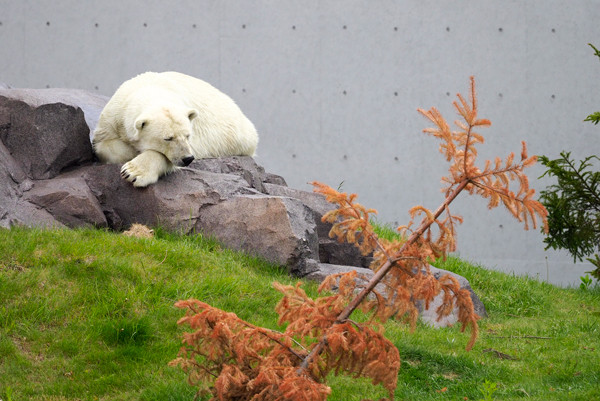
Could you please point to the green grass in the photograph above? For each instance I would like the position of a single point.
(88, 315)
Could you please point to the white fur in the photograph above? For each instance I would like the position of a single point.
(157, 121)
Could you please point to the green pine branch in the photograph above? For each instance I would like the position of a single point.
(573, 205)
(594, 117)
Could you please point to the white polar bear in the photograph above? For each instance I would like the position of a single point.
(158, 121)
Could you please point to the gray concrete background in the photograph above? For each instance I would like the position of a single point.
(333, 87)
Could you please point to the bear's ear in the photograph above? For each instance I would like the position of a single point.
(139, 124)
(192, 113)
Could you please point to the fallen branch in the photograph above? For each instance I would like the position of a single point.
(532, 337)
(499, 354)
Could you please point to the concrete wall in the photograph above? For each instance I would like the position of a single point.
(333, 87)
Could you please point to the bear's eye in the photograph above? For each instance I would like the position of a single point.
(169, 139)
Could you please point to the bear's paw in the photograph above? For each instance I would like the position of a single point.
(139, 175)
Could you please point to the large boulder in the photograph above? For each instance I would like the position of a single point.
(430, 316)
(279, 229)
(50, 178)
(331, 251)
(69, 200)
(40, 138)
(44, 140)
(90, 103)
(174, 203)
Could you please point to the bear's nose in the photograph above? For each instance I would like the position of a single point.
(187, 160)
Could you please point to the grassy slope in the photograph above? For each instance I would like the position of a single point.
(88, 315)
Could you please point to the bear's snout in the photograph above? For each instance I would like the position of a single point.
(187, 160)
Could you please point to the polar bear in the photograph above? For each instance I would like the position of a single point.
(156, 122)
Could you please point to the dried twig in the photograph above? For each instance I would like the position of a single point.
(532, 337)
(499, 354)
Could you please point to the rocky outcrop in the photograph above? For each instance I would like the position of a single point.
(50, 178)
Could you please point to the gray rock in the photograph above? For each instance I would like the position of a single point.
(428, 316)
(173, 203)
(13, 170)
(243, 166)
(44, 140)
(314, 201)
(14, 210)
(278, 229)
(342, 253)
(330, 250)
(327, 269)
(90, 103)
(69, 200)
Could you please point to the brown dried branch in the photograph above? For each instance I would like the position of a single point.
(494, 182)
(243, 361)
(458, 147)
(247, 362)
(351, 220)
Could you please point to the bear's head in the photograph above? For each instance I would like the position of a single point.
(167, 131)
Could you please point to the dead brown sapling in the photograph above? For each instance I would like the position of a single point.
(234, 360)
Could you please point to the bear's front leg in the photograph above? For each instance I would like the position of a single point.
(114, 151)
(146, 168)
